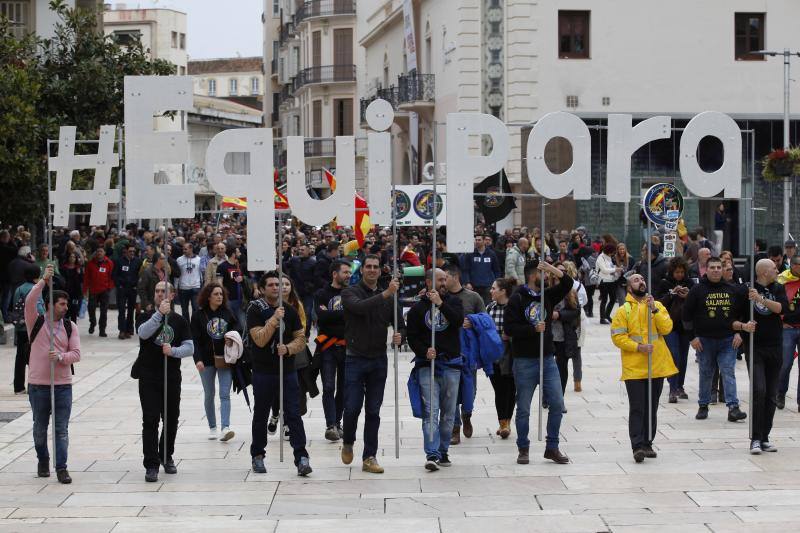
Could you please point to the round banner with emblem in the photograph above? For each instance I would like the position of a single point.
(663, 206)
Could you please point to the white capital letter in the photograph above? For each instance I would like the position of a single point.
(577, 178)
(341, 203)
(728, 177)
(623, 141)
(463, 168)
(380, 116)
(257, 186)
(144, 149)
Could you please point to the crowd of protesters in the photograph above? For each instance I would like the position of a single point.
(475, 311)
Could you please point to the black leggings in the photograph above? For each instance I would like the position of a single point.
(504, 394)
(608, 296)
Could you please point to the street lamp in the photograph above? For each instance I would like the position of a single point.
(787, 55)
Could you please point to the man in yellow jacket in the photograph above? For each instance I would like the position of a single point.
(629, 333)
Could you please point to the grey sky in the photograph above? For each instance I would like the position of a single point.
(217, 28)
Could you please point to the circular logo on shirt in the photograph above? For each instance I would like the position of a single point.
(792, 306)
(216, 328)
(533, 313)
(763, 309)
(165, 336)
(335, 303)
(441, 322)
(712, 314)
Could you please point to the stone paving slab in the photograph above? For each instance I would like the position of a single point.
(703, 480)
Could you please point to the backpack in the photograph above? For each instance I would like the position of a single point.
(591, 273)
(17, 314)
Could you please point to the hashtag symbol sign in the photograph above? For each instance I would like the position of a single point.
(101, 194)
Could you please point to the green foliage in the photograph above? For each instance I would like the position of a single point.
(75, 79)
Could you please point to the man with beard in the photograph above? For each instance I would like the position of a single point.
(629, 332)
(164, 339)
(331, 346)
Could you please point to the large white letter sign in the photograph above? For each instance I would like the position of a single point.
(623, 141)
(577, 178)
(463, 168)
(380, 116)
(101, 194)
(341, 203)
(258, 186)
(144, 148)
(728, 177)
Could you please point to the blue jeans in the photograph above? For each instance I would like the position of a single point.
(225, 377)
(188, 297)
(718, 352)
(459, 410)
(678, 344)
(445, 392)
(364, 382)
(39, 396)
(332, 372)
(526, 379)
(791, 340)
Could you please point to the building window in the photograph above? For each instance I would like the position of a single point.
(183, 71)
(276, 8)
(18, 17)
(254, 86)
(174, 39)
(573, 34)
(212, 87)
(127, 37)
(749, 36)
(572, 101)
(183, 41)
(233, 90)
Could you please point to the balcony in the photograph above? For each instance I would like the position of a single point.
(324, 8)
(286, 93)
(320, 148)
(390, 94)
(416, 91)
(287, 32)
(325, 74)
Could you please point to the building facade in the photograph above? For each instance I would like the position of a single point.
(35, 16)
(240, 79)
(522, 59)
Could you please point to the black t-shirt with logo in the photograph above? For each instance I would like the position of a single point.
(208, 332)
(266, 359)
(769, 326)
(229, 273)
(150, 362)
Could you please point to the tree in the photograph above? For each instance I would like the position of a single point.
(76, 79)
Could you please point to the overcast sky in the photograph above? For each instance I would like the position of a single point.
(217, 28)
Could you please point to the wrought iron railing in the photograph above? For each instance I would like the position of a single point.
(416, 88)
(325, 74)
(324, 8)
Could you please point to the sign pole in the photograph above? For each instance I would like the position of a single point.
(396, 379)
(543, 318)
(280, 332)
(649, 330)
(166, 321)
(52, 324)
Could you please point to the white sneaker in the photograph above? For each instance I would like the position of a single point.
(226, 435)
(212, 433)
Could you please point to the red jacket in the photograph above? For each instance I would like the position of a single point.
(97, 276)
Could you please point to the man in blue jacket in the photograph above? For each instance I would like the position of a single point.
(440, 312)
(480, 268)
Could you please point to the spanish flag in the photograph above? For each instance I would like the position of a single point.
(363, 225)
(231, 202)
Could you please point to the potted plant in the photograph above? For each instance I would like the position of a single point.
(780, 164)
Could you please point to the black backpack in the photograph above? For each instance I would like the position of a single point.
(17, 314)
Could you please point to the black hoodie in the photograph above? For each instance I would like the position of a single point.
(522, 314)
(448, 331)
(331, 320)
(710, 309)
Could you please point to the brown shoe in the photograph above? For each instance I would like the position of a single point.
(456, 438)
(347, 453)
(499, 428)
(505, 428)
(578, 386)
(523, 458)
(466, 424)
(555, 455)
(371, 465)
(121, 336)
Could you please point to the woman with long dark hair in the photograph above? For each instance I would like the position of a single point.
(672, 294)
(209, 325)
(502, 379)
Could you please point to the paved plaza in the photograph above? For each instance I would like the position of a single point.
(703, 480)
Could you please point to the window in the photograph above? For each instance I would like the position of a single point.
(127, 38)
(183, 71)
(749, 36)
(572, 101)
(18, 17)
(343, 116)
(233, 89)
(276, 8)
(183, 41)
(212, 87)
(573, 34)
(174, 39)
(254, 86)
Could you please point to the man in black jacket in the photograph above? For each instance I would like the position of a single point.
(524, 324)
(331, 346)
(126, 278)
(445, 320)
(161, 342)
(368, 312)
(301, 270)
(658, 267)
(322, 266)
(713, 314)
(769, 301)
(264, 318)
